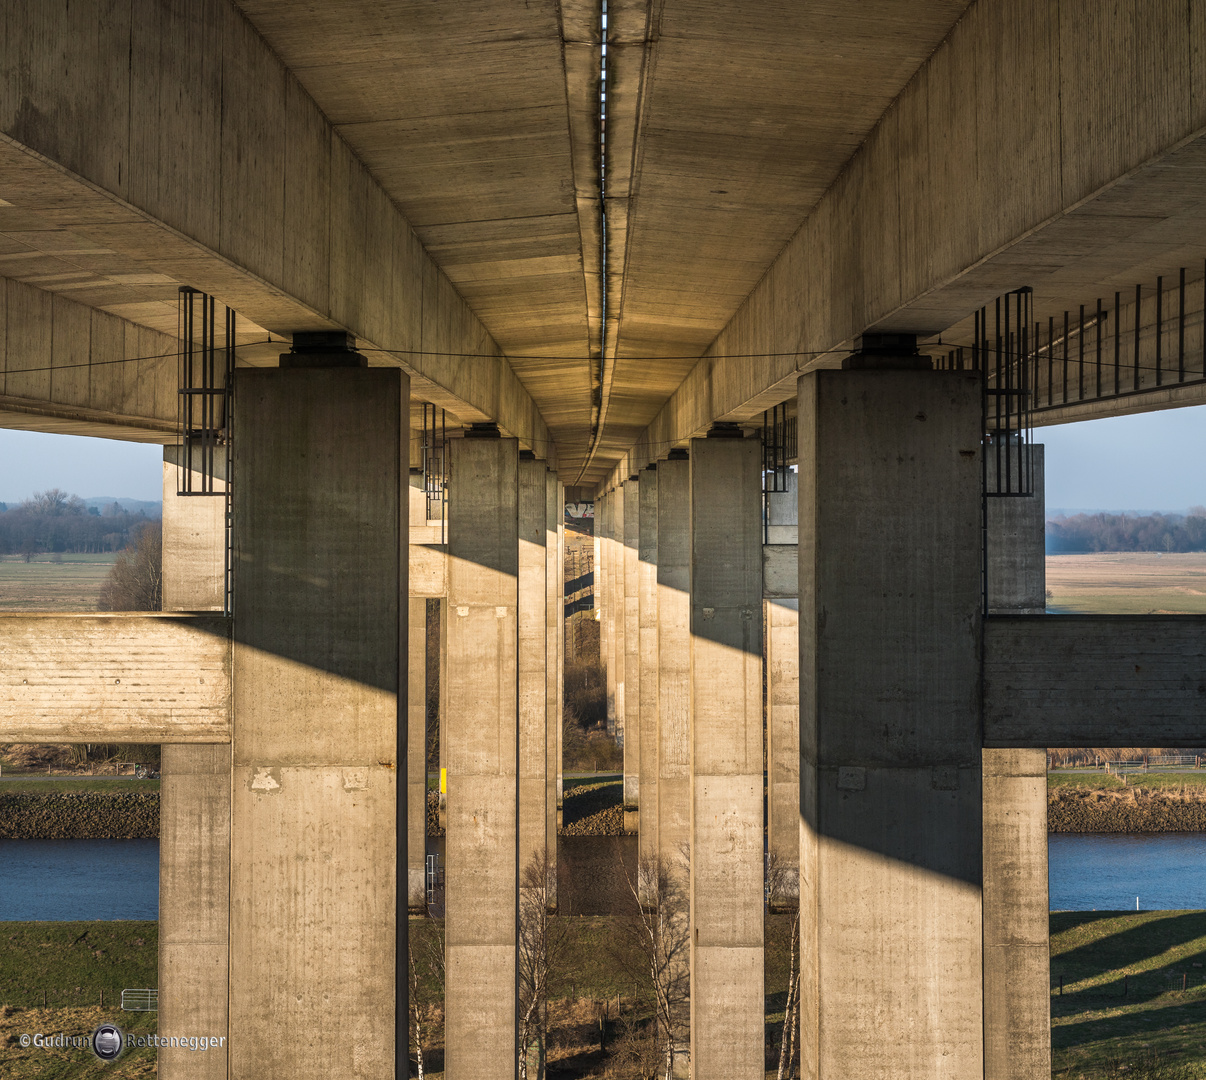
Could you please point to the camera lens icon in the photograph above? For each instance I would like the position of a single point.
(108, 1042)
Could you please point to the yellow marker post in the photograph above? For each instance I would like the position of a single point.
(443, 781)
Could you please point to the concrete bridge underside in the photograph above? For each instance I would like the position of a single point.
(788, 195)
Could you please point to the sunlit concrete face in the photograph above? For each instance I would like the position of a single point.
(483, 744)
(319, 659)
(890, 796)
(727, 1010)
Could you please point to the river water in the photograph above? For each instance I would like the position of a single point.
(68, 880)
(1107, 871)
(119, 879)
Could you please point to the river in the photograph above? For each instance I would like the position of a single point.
(119, 879)
(68, 880)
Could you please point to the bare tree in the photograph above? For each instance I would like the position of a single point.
(662, 928)
(54, 502)
(541, 944)
(135, 581)
(426, 962)
(783, 894)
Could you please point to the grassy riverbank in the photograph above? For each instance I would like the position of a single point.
(1145, 803)
(1094, 1027)
(52, 978)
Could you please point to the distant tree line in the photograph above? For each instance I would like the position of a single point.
(53, 521)
(1128, 532)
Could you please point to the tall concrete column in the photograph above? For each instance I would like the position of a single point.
(674, 724)
(632, 654)
(648, 659)
(674, 660)
(782, 620)
(559, 589)
(890, 789)
(482, 839)
(607, 628)
(533, 659)
(727, 997)
(194, 819)
(1017, 951)
(416, 757)
(554, 612)
(618, 607)
(320, 521)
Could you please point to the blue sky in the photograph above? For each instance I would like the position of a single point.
(33, 461)
(1152, 461)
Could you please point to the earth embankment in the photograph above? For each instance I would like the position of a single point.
(79, 815)
(1130, 810)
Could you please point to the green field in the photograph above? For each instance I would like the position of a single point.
(42, 585)
(1094, 1028)
(1152, 781)
(80, 783)
(52, 978)
(1127, 583)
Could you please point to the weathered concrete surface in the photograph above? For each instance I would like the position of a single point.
(482, 754)
(632, 653)
(1094, 680)
(649, 669)
(250, 195)
(194, 539)
(1093, 187)
(1017, 968)
(194, 903)
(194, 836)
(320, 661)
(533, 661)
(554, 678)
(68, 366)
(416, 756)
(429, 570)
(674, 666)
(727, 1006)
(782, 622)
(1017, 561)
(1017, 953)
(124, 677)
(618, 645)
(890, 797)
(780, 572)
(605, 582)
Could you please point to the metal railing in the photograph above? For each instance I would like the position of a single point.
(140, 1000)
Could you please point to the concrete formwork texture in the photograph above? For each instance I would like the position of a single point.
(438, 189)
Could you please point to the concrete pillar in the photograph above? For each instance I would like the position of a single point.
(482, 840)
(554, 613)
(416, 758)
(674, 660)
(194, 539)
(890, 788)
(674, 725)
(632, 655)
(319, 657)
(1017, 554)
(194, 818)
(533, 660)
(782, 620)
(648, 659)
(607, 630)
(727, 996)
(1017, 966)
(618, 608)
